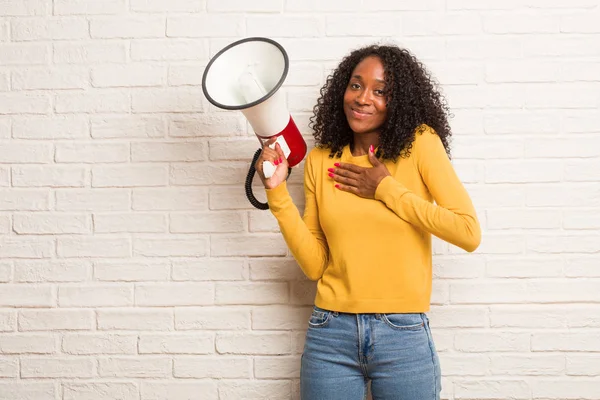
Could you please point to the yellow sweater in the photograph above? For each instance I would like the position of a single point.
(374, 255)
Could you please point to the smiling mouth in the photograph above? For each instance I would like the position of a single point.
(360, 113)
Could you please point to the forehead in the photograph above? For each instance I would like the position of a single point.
(370, 67)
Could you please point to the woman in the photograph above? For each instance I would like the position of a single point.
(381, 159)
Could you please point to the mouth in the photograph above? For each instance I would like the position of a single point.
(360, 114)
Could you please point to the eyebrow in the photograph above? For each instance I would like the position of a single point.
(360, 77)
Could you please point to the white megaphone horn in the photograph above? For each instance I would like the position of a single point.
(246, 75)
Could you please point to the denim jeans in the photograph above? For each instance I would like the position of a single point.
(344, 351)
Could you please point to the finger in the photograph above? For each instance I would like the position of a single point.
(344, 180)
(279, 151)
(344, 172)
(372, 158)
(350, 167)
(349, 189)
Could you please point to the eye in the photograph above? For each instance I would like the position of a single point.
(379, 92)
(354, 86)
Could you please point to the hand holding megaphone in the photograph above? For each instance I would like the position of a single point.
(273, 160)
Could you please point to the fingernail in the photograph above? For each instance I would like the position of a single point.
(330, 169)
(330, 175)
(280, 160)
(337, 164)
(337, 186)
(276, 162)
(371, 148)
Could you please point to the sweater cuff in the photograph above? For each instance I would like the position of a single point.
(389, 190)
(278, 196)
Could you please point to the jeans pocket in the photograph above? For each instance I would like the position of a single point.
(408, 321)
(319, 317)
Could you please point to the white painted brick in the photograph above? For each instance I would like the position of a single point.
(262, 222)
(57, 368)
(209, 270)
(525, 267)
(26, 247)
(170, 199)
(167, 100)
(174, 294)
(170, 247)
(139, 222)
(29, 390)
(93, 102)
(523, 218)
(44, 28)
(488, 389)
(5, 269)
(565, 389)
(197, 343)
(521, 365)
(127, 28)
(84, 7)
(251, 293)
(4, 80)
(371, 25)
(130, 75)
(208, 125)
(55, 127)
(52, 270)
(93, 247)
(23, 295)
(95, 343)
(24, 199)
(216, 222)
(25, 7)
(458, 317)
(207, 173)
(8, 321)
(280, 317)
(4, 31)
(581, 266)
(303, 293)
(105, 295)
(524, 171)
(289, 26)
(4, 176)
(573, 195)
(49, 176)
(279, 269)
(233, 198)
(253, 343)
(212, 367)
(163, 151)
(83, 152)
(212, 318)
(521, 122)
(168, 49)
(244, 6)
(257, 245)
(5, 127)
(9, 368)
(254, 390)
(129, 176)
(582, 170)
(483, 342)
(93, 200)
(562, 148)
(127, 127)
(24, 54)
(465, 364)
(564, 244)
(522, 71)
(29, 343)
(316, 5)
(511, 22)
(486, 47)
(23, 152)
(588, 364)
(178, 390)
(54, 319)
(579, 71)
(147, 367)
(277, 367)
(182, 75)
(167, 6)
(89, 52)
(126, 270)
(24, 103)
(572, 341)
(209, 25)
(100, 391)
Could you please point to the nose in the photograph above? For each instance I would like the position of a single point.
(363, 97)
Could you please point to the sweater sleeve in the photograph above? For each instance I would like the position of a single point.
(453, 217)
(303, 235)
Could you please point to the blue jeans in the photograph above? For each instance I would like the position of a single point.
(344, 351)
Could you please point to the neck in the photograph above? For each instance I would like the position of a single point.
(362, 141)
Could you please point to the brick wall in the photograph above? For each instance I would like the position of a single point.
(133, 267)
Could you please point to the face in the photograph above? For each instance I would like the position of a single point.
(364, 99)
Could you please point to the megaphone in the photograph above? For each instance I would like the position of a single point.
(246, 75)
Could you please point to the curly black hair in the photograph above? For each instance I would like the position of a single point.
(412, 95)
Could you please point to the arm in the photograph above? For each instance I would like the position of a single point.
(303, 236)
(453, 217)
